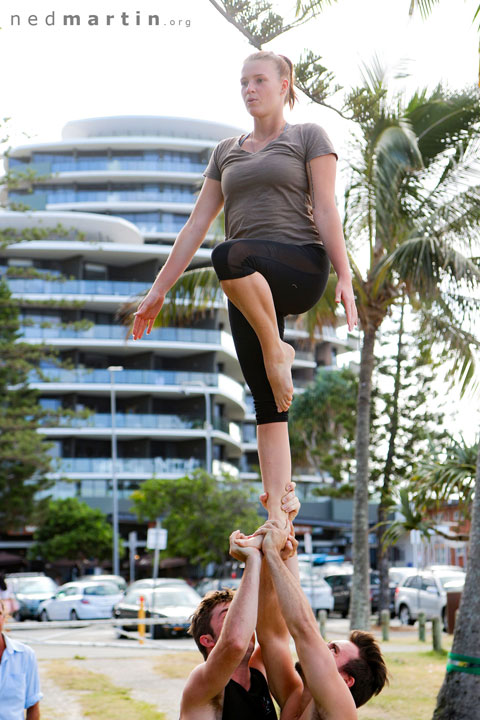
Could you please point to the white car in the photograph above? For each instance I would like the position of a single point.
(427, 592)
(319, 593)
(81, 601)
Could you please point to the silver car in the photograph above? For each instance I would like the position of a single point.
(426, 592)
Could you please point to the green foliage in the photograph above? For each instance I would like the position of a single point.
(322, 425)
(200, 512)
(342, 492)
(71, 529)
(444, 474)
(408, 412)
(24, 458)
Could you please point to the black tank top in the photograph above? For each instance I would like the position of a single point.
(253, 704)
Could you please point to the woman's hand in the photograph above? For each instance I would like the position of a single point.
(146, 313)
(344, 294)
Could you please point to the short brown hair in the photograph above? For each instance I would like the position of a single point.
(284, 68)
(368, 670)
(200, 620)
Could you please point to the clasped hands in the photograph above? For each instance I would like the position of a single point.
(273, 534)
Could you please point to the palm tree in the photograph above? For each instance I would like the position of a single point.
(459, 696)
(411, 202)
(458, 471)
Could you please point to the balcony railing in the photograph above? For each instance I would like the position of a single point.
(143, 377)
(76, 287)
(147, 421)
(70, 164)
(130, 466)
(117, 332)
(61, 196)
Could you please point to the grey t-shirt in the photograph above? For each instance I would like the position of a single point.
(267, 194)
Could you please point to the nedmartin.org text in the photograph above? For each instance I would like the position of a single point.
(123, 18)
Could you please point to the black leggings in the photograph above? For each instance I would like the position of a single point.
(297, 276)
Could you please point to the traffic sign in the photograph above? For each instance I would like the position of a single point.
(157, 538)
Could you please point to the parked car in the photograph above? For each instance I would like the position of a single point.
(173, 602)
(318, 592)
(397, 575)
(30, 590)
(150, 583)
(426, 591)
(341, 583)
(118, 580)
(208, 584)
(81, 601)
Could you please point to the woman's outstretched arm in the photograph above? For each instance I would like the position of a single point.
(208, 205)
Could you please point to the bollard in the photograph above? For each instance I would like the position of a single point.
(437, 634)
(421, 626)
(385, 620)
(141, 616)
(322, 623)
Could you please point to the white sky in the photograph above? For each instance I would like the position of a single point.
(53, 74)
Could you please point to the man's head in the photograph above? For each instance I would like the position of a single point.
(359, 660)
(207, 621)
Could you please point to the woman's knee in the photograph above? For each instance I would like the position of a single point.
(231, 260)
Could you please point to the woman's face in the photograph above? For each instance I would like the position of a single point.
(263, 92)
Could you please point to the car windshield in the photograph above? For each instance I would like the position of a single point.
(174, 596)
(101, 589)
(32, 586)
(452, 580)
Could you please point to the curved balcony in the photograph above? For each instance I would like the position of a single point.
(68, 164)
(128, 426)
(169, 383)
(94, 294)
(38, 286)
(179, 341)
(127, 468)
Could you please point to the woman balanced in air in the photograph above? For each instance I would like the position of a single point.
(282, 227)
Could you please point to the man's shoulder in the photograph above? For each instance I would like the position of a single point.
(195, 705)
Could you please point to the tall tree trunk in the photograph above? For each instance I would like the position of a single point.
(360, 595)
(459, 696)
(383, 508)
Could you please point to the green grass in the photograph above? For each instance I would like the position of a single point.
(415, 679)
(98, 697)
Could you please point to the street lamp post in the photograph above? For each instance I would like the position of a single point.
(113, 409)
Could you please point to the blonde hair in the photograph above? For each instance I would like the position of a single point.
(284, 68)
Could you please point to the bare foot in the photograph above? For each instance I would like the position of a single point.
(279, 373)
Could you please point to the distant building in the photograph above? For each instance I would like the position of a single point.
(124, 187)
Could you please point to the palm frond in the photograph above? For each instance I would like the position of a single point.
(194, 294)
(397, 154)
(425, 7)
(424, 263)
(447, 474)
(443, 119)
(457, 346)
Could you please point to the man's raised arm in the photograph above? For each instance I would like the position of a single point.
(209, 679)
(326, 685)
